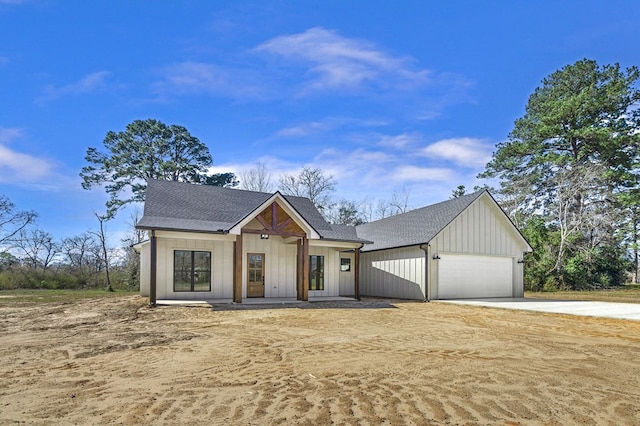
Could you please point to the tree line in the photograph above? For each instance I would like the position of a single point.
(568, 176)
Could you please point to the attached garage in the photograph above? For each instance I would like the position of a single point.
(465, 248)
(473, 277)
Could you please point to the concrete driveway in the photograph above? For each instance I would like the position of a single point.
(629, 311)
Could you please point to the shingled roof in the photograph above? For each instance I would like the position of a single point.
(179, 206)
(414, 227)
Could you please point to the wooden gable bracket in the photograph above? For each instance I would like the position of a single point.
(274, 228)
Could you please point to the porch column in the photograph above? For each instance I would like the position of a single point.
(299, 274)
(154, 269)
(356, 270)
(305, 269)
(237, 269)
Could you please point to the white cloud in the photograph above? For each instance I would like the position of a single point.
(17, 167)
(338, 62)
(374, 174)
(401, 141)
(304, 129)
(422, 174)
(90, 83)
(465, 152)
(189, 78)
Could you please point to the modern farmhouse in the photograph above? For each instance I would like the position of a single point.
(222, 244)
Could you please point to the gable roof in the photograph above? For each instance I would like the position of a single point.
(414, 227)
(179, 206)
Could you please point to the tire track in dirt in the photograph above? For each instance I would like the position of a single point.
(121, 362)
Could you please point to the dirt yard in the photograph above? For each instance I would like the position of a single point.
(116, 361)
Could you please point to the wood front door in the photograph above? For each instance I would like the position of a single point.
(255, 275)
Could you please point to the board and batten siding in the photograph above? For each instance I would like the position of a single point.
(397, 273)
(221, 268)
(145, 269)
(331, 271)
(279, 265)
(481, 229)
(347, 278)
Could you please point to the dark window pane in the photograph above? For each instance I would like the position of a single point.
(191, 270)
(345, 264)
(203, 283)
(316, 272)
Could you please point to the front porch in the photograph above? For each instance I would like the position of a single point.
(256, 301)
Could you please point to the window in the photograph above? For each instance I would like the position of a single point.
(345, 264)
(191, 270)
(316, 272)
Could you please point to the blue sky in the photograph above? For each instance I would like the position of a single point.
(383, 95)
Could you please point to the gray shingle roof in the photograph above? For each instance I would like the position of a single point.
(414, 227)
(202, 208)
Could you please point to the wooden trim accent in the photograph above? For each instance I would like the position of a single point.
(273, 232)
(237, 270)
(284, 224)
(356, 269)
(263, 221)
(305, 269)
(153, 273)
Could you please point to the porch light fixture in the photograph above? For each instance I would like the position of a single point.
(521, 261)
(264, 236)
(436, 257)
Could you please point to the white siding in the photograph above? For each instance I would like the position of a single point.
(221, 268)
(482, 229)
(331, 271)
(145, 257)
(347, 279)
(279, 265)
(398, 273)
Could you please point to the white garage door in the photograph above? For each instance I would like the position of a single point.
(464, 277)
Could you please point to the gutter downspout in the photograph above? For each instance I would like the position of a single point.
(427, 287)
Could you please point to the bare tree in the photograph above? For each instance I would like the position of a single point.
(12, 221)
(383, 209)
(78, 251)
(310, 183)
(130, 257)
(366, 209)
(38, 247)
(257, 179)
(102, 239)
(400, 201)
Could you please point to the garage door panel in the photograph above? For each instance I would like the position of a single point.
(465, 276)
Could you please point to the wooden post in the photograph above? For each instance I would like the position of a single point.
(237, 270)
(305, 269)
(299, 272)
(356, 270)
(154, 269)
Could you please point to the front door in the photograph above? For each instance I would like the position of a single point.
(255, 275)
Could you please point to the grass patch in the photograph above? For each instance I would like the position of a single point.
(629, 293)
(52, 296)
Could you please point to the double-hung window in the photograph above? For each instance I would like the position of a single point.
(191, 270)
(316, 272)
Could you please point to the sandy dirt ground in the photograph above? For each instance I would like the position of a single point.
(117, 361)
